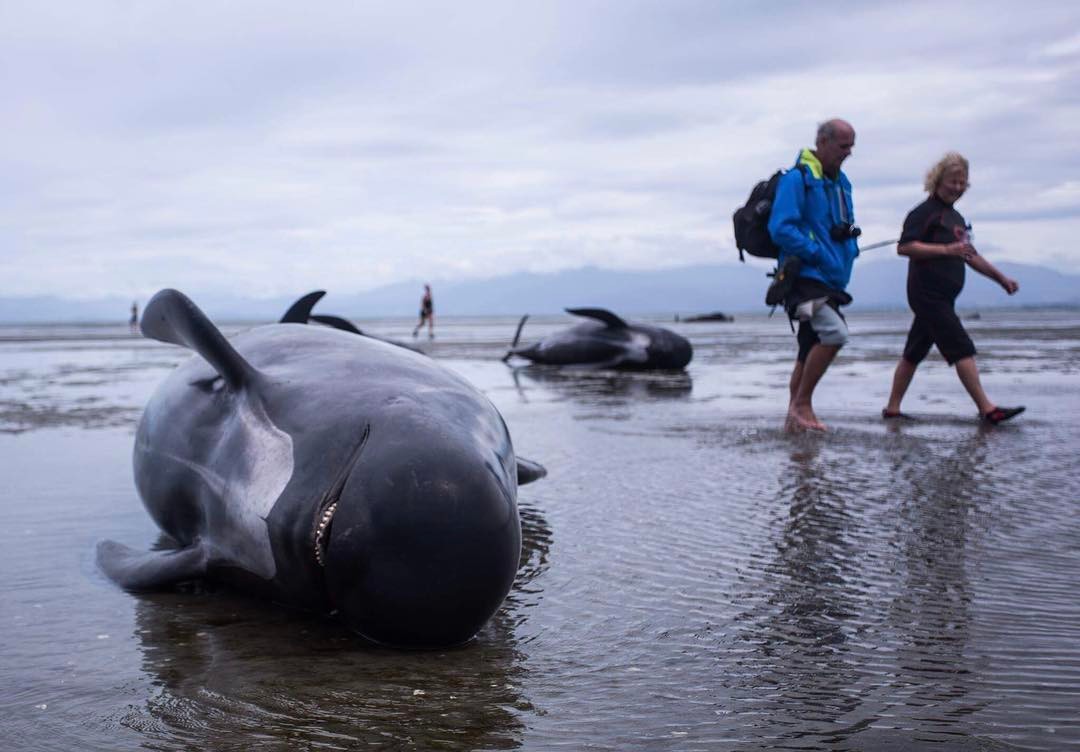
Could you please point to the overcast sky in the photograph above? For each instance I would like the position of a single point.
(269, 148)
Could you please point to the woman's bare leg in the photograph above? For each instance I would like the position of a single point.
(969, 377)
(901, 380)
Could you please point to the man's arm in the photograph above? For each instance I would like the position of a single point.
(785, 220)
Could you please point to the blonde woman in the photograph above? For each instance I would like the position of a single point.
(938, 244)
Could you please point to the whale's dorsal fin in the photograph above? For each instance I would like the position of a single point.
(600, 314)
(151, 570)
(335, 321)
(300, 311)
(170, 316)
(528, 471)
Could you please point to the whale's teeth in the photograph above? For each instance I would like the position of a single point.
(320, 532)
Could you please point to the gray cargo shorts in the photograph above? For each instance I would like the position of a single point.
(825, 325)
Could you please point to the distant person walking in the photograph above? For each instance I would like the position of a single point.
(813, 224)
(427, 313)
(939, 243)
(133, 322)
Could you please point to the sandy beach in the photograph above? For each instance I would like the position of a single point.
(692, 577)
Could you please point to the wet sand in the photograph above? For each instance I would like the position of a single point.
(692, 578)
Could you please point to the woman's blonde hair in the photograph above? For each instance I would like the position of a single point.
(937, 172)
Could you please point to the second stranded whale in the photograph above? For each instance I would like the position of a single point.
(326, 471)
(300, 312)
(606, 341)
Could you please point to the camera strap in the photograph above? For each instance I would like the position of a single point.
(841, 203)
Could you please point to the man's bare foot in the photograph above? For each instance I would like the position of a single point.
(803, 419)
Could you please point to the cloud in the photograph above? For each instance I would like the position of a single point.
(357, 144)
(1066, 47)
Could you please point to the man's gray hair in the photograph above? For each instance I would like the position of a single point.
(826, 131)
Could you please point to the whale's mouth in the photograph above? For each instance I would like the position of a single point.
(328, 504)
(322, 530)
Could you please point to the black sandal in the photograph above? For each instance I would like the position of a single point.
(1002, 414)
(887, 415)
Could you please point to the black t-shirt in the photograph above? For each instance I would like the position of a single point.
(934, 221)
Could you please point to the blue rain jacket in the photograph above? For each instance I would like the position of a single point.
(807, 204)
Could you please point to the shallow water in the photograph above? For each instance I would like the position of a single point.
(693, 578)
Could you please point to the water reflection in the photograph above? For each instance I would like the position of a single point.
(801, 629)
(592, 387)
(536, 539)
(845, 573)
(224, 665)
(931, 615)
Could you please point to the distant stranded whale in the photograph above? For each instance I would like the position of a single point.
(300, 312)
(331, 472)
(607, 341)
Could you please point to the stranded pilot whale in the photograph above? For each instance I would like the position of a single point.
(606, 341)
(300, 312)
(326, 471)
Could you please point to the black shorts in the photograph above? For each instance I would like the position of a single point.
(936, 323)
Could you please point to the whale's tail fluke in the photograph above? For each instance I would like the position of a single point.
(171, 317)
(517, 336)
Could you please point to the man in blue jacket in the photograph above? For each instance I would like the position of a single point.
(813, 221)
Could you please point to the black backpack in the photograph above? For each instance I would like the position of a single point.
(752, 219)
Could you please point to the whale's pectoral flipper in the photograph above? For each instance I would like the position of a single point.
(151, 570)
(335, 321)
(171, 317)
(300, 311)
(517, 334)
(600, 314)
(528, 471)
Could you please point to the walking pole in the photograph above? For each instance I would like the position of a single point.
(882, 244)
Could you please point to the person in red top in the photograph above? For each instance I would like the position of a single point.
(938, 243)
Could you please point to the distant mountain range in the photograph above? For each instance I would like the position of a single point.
(731, 288)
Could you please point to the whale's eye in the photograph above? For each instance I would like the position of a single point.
(211, 385)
